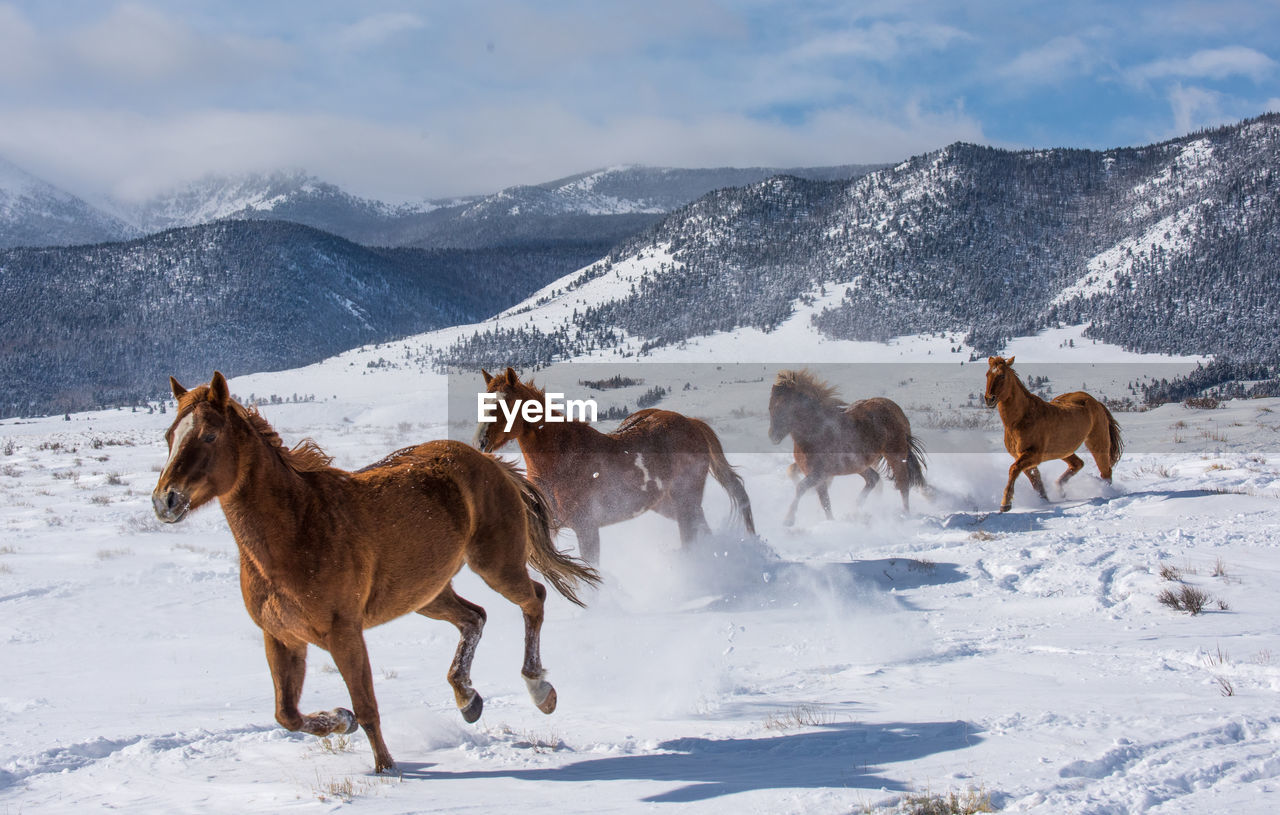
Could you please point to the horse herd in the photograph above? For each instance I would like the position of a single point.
(326, 553)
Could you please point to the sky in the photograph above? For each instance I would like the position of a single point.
(409, 100)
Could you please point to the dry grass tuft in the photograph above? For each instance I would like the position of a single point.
(1170, 572)
(794, 718)
(968, 802)
(1186, 598)
(1224, 686)
(982, 535)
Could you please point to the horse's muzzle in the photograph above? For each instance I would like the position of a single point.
(170, 505)
(990, 400)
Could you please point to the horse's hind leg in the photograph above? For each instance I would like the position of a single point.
(469, 618)
(901, 477)
(873, 480)
(1074, 463)
(288, 664)
(512, 581)
(692, 522)
(1099, 443)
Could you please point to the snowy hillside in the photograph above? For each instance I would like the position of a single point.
(843, 666)
(1167, 248)
(35, 213)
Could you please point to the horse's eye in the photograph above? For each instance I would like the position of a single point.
(208, 437)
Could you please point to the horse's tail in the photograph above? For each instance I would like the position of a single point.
(1113, 432)
(915, 463)
(562, 571)
(723, 472)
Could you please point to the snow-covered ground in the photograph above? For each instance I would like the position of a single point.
(836, 667)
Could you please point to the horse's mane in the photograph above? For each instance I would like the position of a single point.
(807, 384)
(304, 457)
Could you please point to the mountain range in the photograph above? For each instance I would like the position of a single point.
(1170, 247)
(604, 205)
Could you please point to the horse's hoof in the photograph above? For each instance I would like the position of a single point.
(474, 708)
(346, 723)
(548, 705)
(1006, 507)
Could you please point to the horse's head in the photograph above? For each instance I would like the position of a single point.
(1000, 376)
(780, 413)
(203, 459)
(510, 391)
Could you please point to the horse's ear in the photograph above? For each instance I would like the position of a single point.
(512, 376)
(1009, 361)
(992, 361)
(177, 389)
(218, 392)
(487, 376)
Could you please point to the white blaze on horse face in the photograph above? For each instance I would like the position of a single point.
(180, 434)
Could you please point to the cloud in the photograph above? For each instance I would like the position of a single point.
(479, 150)
(1214, 63)
(1058, 60)
(879, 42)
(1194, 108)
(132, 46)
(376, 29)
(20, 52)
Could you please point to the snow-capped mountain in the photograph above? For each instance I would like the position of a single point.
(286, 196)
(604, 206)
(36, 213)
(634, 190)
(1170, 247)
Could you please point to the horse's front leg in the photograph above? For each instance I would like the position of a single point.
(288, 664)
(824, 498)
(1021, 463)
(1033, 475)
(801, 488)
(588, 543)
(346, 644)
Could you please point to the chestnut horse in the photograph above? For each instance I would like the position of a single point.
(831, 438)
(1036, 431)
(325, 554)
(656, 459)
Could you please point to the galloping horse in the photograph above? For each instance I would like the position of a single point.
(656, 459)
(325, 554)
(1036, 431)
(832, 438)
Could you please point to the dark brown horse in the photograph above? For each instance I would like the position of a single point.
(831, 438)
(1036, 431)
(656, 459)
(325, 554)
